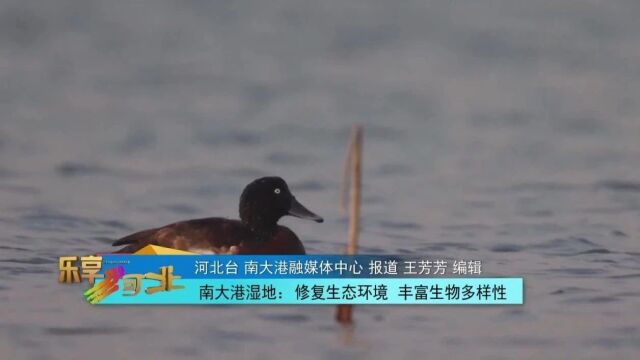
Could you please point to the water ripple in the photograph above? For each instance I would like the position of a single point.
(85, 330)
(619, 185)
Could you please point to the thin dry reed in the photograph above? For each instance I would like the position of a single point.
(353, 171)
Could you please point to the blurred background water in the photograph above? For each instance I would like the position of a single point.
(504, 131)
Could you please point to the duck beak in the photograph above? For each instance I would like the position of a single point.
(298, 210)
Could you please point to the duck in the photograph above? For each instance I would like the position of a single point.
(262, 203)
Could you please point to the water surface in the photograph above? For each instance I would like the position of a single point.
(507, 132)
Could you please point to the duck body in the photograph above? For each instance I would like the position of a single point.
(262, 203)
(214, 236)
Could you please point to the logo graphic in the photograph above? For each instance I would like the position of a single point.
(70, 272)
(106, 287)
(133, 282)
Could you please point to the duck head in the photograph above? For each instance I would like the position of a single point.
(264, 201)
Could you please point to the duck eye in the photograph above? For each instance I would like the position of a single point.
(277, 191)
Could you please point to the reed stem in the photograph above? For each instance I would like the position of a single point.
(344, 313)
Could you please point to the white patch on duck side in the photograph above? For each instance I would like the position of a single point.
(215, 251)
(202, 251)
